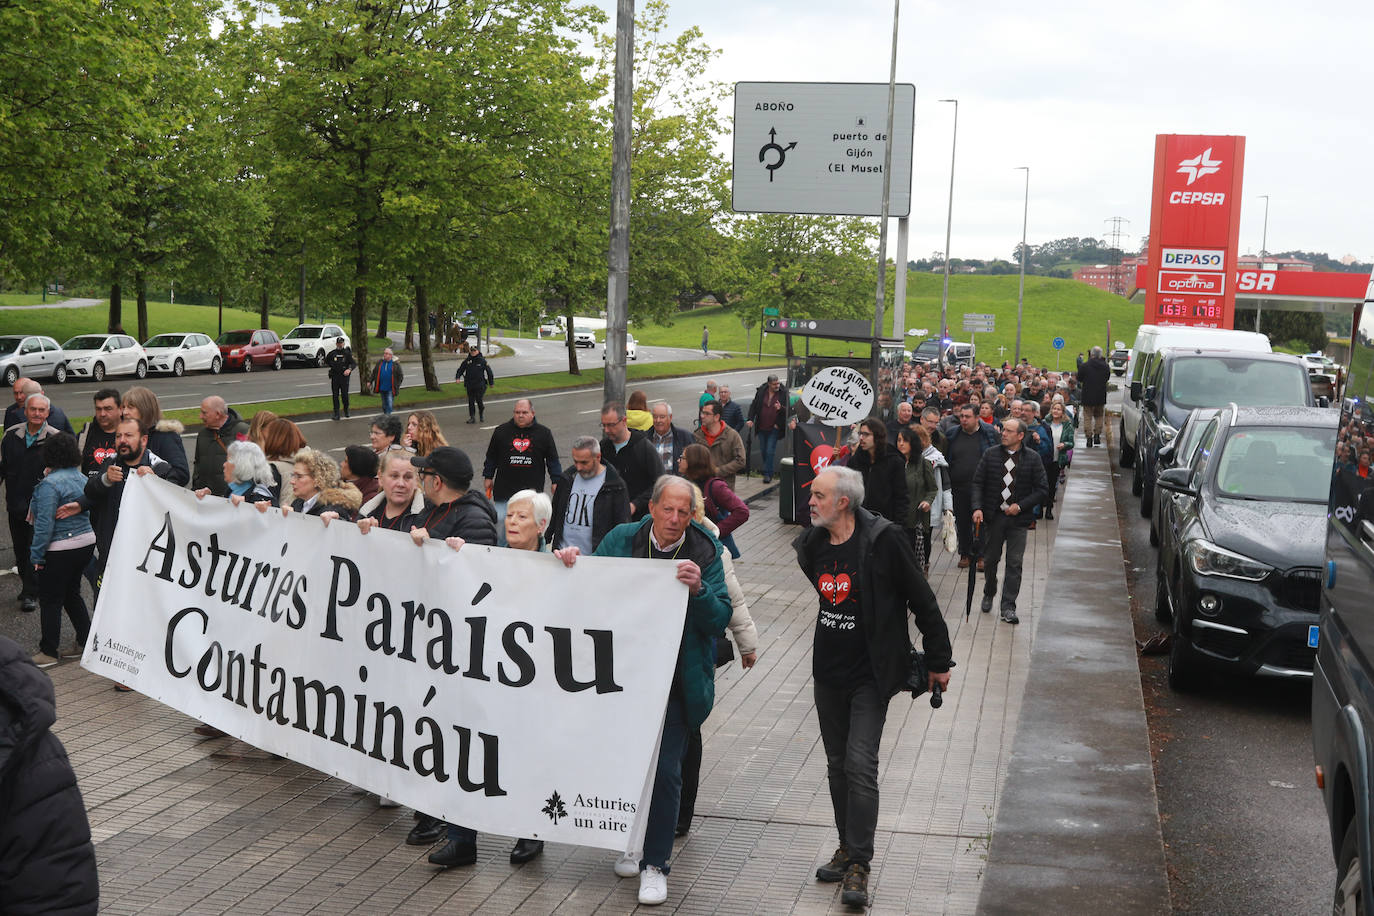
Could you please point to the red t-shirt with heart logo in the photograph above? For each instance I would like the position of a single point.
(839, 654)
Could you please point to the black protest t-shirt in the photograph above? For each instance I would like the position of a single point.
(839, 655)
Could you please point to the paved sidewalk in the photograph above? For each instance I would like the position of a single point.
(185, 825)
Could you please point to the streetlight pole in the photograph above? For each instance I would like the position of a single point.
(618, 280)
(887, 189)
(949, 224)
(1264, 240)
(1021, 290)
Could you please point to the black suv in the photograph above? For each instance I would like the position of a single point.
(1239, 565)
(1343, 683)
(1181, 378)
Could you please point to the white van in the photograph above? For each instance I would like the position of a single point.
(1149, 340)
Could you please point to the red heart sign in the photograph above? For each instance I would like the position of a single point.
(835, 588)
(520, 444)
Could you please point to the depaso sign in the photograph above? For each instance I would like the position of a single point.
(1194, 223)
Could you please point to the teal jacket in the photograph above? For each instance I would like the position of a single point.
(707, 612)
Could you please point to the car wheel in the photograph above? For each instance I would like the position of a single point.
(1137, 482)
(216, 365)
(98, 372)
(319, 359)
(1184, 675)
(11, 376)
(1154, 531)
(248, 364)
(276, 361)
(141, 370)
(1163, 611)
(1147, 500)
(1349, 896)
(59, 374)
(178, 368)
(1125, 456)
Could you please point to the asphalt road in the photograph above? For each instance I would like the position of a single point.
(1244, 828)
(263, 384)
(567, 413)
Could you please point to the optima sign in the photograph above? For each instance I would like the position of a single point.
(1194, 224)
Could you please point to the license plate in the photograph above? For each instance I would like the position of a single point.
(1312, 635)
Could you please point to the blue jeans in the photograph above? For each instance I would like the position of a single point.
(387, 399)
(768, 446)
(851, 721)
(667, 795)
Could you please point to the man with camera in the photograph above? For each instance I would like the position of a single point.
(863, 568)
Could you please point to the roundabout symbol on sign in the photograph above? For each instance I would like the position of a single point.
(1058, 343)
(781, 152)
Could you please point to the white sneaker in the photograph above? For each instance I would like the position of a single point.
(653, 886)
(627, 866)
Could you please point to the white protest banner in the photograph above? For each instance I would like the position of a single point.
(838, 396)
(491, 687)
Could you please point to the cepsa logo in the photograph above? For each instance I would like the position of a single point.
(1197, 167)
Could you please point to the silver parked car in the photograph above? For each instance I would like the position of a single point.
(32, 356)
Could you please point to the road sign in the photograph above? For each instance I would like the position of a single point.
(1058, 343)
(818, 148)
(987, 317)
(838, 328)
(979, 323)
(770, 313)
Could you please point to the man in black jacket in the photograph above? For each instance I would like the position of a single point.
(475, 374)
(105, 490)
(21, 467)
(591, 499)
(1093, 376)
(341, 365)
(768, 420)
(866, 575)
(47, 861)
(520, 453)
(1008, 485)
(630, 452)
(667, 438)
(23, 387)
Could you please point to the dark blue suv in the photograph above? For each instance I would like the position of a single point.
(1343, 682)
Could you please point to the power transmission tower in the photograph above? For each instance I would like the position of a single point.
(1118, 281)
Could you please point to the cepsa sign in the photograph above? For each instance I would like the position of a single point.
(1194, 223)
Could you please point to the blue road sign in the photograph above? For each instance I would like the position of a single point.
(1059, 343)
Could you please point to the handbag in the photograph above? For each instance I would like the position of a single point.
(947, 532)
(725, 651)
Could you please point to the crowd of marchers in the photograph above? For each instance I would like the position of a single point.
(977, 448)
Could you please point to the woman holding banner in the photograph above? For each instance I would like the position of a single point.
(399, 497)
(318, 488)
(527, 518)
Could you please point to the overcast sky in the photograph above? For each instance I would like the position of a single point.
(1077, 92)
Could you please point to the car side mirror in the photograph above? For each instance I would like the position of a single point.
(1165, 455)
(1177, 480)
(1150, 393)
(1135, 391)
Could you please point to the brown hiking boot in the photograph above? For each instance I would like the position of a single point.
(854, 891)
(834, 870)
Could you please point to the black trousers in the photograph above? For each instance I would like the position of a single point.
(21, 536)
(475, 405)
(59, 586)
(691, 775)
(339, 389)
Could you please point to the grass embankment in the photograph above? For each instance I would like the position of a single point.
(1053, 308)
(30, 298)
(64, 323)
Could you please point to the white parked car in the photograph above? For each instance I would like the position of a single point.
(631, 348)
(584, 337)
(310, 343)
(179, 353)
(95, 356)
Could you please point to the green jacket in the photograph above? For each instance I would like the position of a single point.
(921, 487)
(707, 612)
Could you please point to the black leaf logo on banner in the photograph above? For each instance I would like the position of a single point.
(553, 807)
